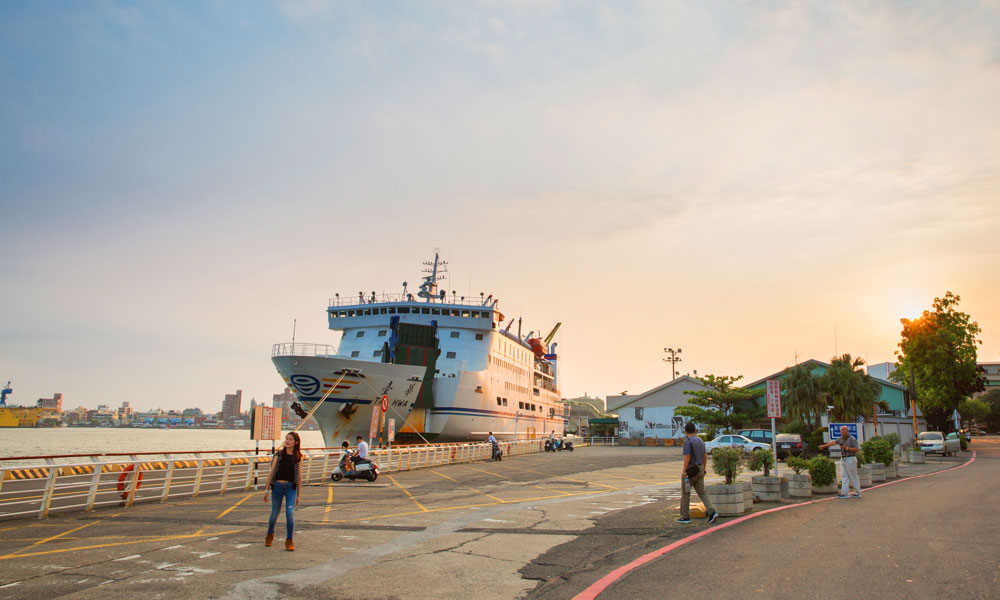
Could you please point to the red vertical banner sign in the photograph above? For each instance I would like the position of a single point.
(773, 399)
(373, 429)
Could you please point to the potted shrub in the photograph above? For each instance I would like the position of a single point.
(765, 488)
(823, 472)
(878, 454)
(799, 484)
(864, 471)
(727, 498)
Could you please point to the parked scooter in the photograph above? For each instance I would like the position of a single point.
(560, 445)
(363, 469)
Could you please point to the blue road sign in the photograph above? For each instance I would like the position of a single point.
(851, 427)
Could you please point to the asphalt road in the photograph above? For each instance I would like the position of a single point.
(932, 537)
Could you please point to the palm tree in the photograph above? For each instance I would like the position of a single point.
(802, 401)
(850, 390)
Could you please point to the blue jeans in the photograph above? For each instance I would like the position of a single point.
(282, 489)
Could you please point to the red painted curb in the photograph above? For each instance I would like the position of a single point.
(601, 584)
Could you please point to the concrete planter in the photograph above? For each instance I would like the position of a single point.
(892, 470)
(878, 471)
(726, 499)
(799, 486)
(865, 476)
(916, 458)
(825, 489)
(766, 489)
(747, 494)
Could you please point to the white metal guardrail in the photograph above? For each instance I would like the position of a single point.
(45, 488)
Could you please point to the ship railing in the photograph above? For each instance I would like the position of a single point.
(410, 297)
(303, 350)
(44, 485)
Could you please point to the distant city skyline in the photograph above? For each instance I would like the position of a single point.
(183, 181)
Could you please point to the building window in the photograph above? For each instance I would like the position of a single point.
(498, 400)
(505, 402)
(355, 354)
(520, 405)
(368, 312)
(450, 355)
(425, 311)
(638, 413)
(377, 353)
(382, 332)
(455, 334)
(479, 337)
(333, 314)
(361, 333)
(435, 311)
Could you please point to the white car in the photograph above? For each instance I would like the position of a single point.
(938, 443)
(737, 441)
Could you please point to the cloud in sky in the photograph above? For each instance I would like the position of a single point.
(180, 182)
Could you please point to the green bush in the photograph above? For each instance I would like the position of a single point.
(797, 464)
(727, 462)
(893, 439)
(822, 470)
(877, 450)
(815, 440)
(965, 442)
(761, 460)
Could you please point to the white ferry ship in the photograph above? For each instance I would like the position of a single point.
(451, 369)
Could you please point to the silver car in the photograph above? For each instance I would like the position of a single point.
(935, 442)
(737, 441)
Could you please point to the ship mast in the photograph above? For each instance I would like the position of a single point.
(436, 271)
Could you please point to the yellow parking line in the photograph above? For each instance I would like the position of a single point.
(500, 500)
(610, 487)
(161, 539)
(509, 479)
(447, 508)
(407, 492)
(230, 509)
(329, 504)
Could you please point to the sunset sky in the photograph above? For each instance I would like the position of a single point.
(179, 181)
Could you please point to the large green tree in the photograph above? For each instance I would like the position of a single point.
(722, 406)
(992, 419)
(801, 396)
(850, 390)
(940, 347)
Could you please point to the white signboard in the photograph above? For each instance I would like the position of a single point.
(773, 399)
(392, 430)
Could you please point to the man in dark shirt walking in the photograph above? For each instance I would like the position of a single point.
(694, 456)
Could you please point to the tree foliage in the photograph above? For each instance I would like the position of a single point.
(722, 406)
(850, 390)
(801, 396)
(940, 347)
(992, 419)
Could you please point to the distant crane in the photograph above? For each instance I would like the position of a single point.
(6, 391)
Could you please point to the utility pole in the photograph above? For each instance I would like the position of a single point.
(673, 360)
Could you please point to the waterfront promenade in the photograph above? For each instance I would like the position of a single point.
(541, 525)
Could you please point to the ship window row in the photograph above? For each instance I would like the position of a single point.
(507, 365)
(529, 406)
(517, 388)
(406, 310)
(503, 400)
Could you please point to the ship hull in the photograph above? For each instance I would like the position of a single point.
(357, 390)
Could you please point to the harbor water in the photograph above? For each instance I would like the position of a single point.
(86, 440)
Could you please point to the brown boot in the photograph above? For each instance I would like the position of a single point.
(289, 546)
(268, 539)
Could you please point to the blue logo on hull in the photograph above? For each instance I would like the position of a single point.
(307, 385)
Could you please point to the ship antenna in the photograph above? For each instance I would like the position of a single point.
(436, 271)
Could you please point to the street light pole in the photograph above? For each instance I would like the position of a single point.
(673, 360)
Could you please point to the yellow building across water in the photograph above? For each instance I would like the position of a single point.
(17, 416)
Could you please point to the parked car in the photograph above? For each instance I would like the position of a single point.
(761, 436)
(935, 442)
(791, 444)
(735, 440)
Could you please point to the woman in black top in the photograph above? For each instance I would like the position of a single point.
(286, 481)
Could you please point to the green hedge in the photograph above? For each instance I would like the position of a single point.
(727, 461)
(876, 450)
